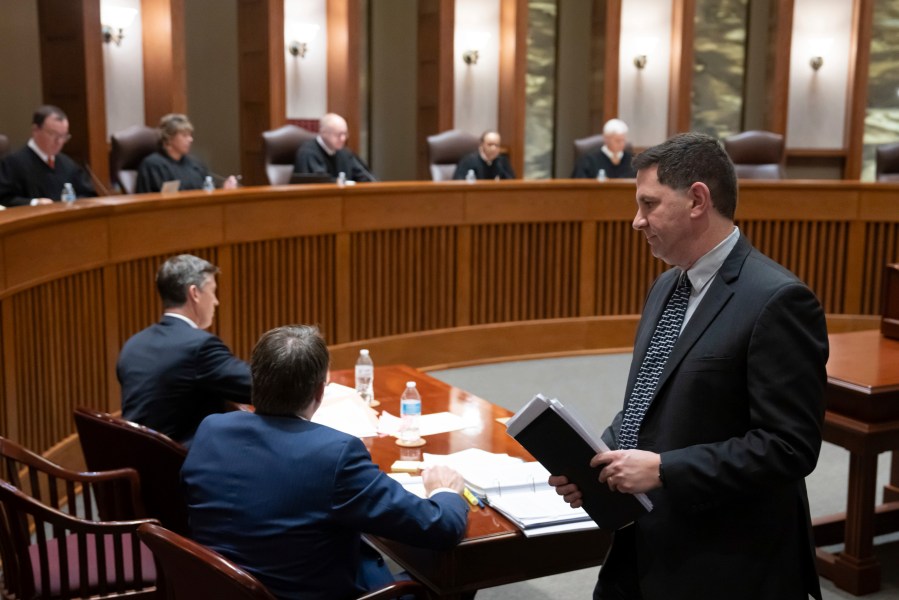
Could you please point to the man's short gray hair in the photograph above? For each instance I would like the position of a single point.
(615, 126)
(178, 273)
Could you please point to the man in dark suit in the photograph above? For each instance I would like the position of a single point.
(174, 373)
(37, 173)
(613, 158)
(721, 431)
(287, 499)
(486, 162)
(327, 154)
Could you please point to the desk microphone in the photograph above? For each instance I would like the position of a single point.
(103, 189)
(223, 178)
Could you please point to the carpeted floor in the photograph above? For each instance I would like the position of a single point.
(594, 386)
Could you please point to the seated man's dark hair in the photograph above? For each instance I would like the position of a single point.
(289, 364)
(177, 274)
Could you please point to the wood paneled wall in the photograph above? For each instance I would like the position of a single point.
(400, 260)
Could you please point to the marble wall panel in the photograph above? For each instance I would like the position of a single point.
(540, 89)
(882, 114)
(718, 66)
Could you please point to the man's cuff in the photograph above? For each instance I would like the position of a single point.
(443, 489)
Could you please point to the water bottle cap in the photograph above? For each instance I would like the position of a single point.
(410, 384)
(363, 352)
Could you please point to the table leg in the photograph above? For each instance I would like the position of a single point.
(856, 569)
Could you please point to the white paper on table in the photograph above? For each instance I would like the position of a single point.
(345, 410)
(430, 424)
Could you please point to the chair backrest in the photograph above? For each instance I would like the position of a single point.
(127, 149)
(280, 148)
(4, 146)
(887, 162)
(190, 570)
(115, 494)
(756, 154)
(109, 442)
(69, 557)
(446, 149)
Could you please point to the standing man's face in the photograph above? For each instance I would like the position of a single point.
(52, 135)
(490, 146)
(335, 134)
(664, 217)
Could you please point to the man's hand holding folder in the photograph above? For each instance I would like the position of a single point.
(628, 471)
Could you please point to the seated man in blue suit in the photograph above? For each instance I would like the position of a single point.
(288, 499)
(174, 373)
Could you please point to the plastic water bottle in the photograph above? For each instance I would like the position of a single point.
(470, 177)
(68, 193)
(208, 184)
(341, 179)
(601, 176)
(365, 376)
(410, 413)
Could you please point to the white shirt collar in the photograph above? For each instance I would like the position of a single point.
(705, 269)
(324, 146)
(33, 145)
(615, 156)
(182, 317)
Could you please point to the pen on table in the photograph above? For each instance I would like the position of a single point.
(472, 498)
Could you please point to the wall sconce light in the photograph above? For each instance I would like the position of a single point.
(473, 42)
(818, 48)
(642, 48)
(302, 37)
(115, 20)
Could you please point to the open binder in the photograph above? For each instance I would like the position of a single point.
(562, 444)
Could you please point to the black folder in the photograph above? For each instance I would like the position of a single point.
(555, 437)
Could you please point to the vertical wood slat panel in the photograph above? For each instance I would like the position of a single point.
(625, 268)
(62, 355)
(402, 281)
(881, 248)
(4, 397)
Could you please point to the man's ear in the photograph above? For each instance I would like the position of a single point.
(700, 198)
(193, 293)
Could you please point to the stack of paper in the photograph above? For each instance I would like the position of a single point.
(345, 410)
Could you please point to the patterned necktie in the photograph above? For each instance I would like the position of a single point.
(666, 332)
(51, 161)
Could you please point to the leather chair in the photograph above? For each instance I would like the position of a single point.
(109, 442)
(69, 557)
(756, 154)
(887, 162)
(190, 570)
(280, 148)
(446, 149)
(115, 494)
(4, 146)
(127, 149)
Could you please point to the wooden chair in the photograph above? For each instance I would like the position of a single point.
(127, 149)
(887, 162)
(446, 149)
(69, 557)
(280, 148)
(109, 442)
(106, 496)
(756, 154)
(189, 570)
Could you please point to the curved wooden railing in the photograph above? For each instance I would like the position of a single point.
(430, 273)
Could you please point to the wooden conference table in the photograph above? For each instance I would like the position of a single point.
(863, 417)
(494, 551)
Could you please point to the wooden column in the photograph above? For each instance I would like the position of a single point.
(607, 28)
(856, 105)
(165, 73)
(513, 47)
(261, 72)
(72, 76)
(681, 83)
(436, 33)
(778, 61)
(344, 35)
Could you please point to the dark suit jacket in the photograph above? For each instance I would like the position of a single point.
(312, 158)
(287, 499)
(737, 420)
(23, 176)
(173, 375)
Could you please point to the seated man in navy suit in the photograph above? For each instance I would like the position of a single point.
(174, 373)
(288, 499)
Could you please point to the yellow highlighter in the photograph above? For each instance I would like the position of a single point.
(472, 499)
